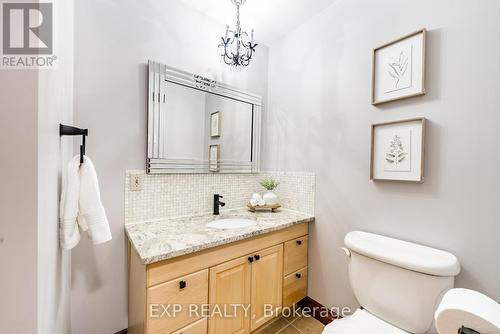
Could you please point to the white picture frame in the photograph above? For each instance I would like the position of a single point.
(398, 68)
(215, 120)
(397, 151)
(214, 158)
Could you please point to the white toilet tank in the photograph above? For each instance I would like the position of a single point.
(400, 282)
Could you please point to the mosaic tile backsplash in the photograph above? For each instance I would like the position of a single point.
(176, 195)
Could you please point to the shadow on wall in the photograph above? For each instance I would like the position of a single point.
(87, 269)
(63, 293)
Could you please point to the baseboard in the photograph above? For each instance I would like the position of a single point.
(318, 310)
(123, 331)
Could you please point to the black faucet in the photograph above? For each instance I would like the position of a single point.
(217, 203)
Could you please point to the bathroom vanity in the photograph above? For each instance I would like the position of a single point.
(184, 275)
(209, 273)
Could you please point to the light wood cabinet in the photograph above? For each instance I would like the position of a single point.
(169, 302)
(267, 285)
(294, 287)
(230, 285)
(198, 327)
(295, 270)
(253, 282)
(295, 254)
(253, 272)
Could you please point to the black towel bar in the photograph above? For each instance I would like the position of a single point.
(66, 130)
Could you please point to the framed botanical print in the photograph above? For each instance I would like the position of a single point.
(399, 68)
(215, 124)
(214, 158)
(397, 151)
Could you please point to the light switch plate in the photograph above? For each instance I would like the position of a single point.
(135, 182)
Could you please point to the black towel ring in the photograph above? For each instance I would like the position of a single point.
(66, 130)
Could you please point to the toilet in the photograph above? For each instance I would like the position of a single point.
(398, 284)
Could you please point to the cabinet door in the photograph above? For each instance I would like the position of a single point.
(267, 284)
(229, 286)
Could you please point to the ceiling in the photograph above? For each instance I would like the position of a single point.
(271, 19)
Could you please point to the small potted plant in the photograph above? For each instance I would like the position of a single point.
(270, 197)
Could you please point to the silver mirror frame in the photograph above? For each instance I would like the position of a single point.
(158, 76)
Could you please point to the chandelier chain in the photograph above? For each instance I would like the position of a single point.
(237, 17)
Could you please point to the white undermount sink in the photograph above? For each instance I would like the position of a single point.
(231, 223)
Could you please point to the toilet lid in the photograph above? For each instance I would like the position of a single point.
(361, 322)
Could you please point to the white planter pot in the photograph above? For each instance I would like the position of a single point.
(270, 198)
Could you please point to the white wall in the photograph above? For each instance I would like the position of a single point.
(55, 105)
(113, 41)
(18, 201)
(34, 279)
(319, 120)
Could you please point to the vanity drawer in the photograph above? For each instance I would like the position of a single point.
(198, 327)
(294, 287)
(184, 291)
(295, 254)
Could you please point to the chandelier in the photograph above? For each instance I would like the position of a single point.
(237, 46)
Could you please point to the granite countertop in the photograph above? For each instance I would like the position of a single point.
(168, 238)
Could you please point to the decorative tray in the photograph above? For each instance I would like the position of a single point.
(273, 207)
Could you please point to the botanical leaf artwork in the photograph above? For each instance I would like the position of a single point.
(396, 154)
(397, 68)
(397, 150)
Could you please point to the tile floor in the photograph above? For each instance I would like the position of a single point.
(293, 325)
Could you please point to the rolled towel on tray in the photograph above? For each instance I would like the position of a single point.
(257, 200)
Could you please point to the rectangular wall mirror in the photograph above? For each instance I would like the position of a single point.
(198, 125)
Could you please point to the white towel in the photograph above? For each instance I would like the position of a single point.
(91, 209)
(257, 200)
(81, 191)
(68, 229)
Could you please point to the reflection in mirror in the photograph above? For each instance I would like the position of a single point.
(188, 120)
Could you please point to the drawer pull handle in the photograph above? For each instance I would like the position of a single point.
(257, 257)
(299, 242)
(182, 284)
(250, 259)
(298, 275)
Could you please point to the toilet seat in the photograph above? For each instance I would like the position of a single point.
(361, 322)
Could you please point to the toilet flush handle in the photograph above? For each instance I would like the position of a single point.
(346, 251)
